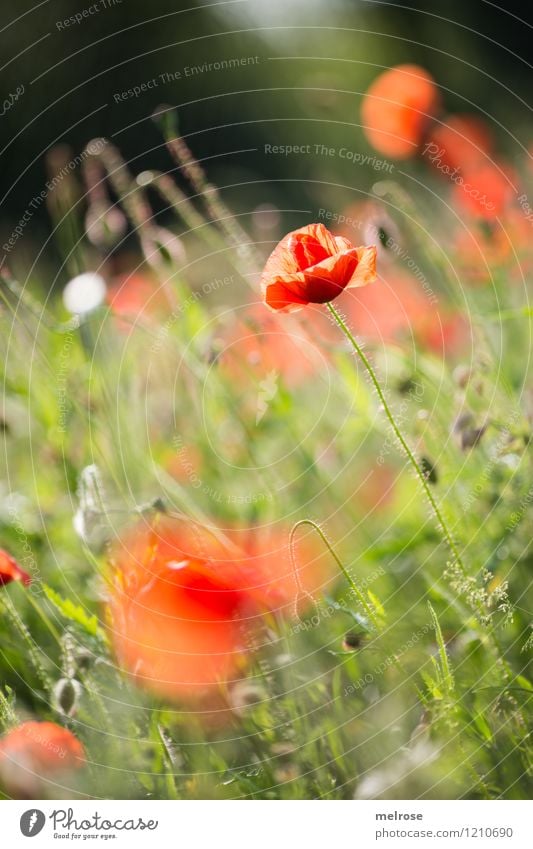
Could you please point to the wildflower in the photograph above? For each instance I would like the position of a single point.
(184, 606)
(34, 752)
(310, 265)
(397, 109)
(177, 629)
(11, 571)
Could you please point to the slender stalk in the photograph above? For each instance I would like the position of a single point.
(355, 589)
(7, 607)
(399, 436)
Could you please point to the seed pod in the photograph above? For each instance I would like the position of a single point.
(105, 224)
(66, 694)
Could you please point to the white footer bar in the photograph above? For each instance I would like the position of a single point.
(267, 825)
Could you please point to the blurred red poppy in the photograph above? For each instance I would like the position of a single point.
(11, 571)
(33, 752)
(375, 490)
(136, 296)
(461, 141)
(311, 266)
(184, 605)
(259, 343)
(392, 306)
(484, 248)
(486, 190)
(398, 307)
(397, 109)
(448, 336)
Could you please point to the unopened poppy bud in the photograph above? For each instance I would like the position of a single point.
(353, 641)
(164, 245)
(429, 470)
(471, 436)
(462, 375)
(406, 385)
(84, 660)
(243, 696)
(66, 695)
(463, 421)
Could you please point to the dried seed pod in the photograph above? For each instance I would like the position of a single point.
(105, 224)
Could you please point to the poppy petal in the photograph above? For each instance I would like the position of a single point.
(310, 265)
(11, 571)
(365, 271)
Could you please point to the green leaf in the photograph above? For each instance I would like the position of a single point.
(445, 669)
(483, 727)
(75, 613)
(377, 605)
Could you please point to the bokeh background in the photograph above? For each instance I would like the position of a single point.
(177, 392)
(477, 51)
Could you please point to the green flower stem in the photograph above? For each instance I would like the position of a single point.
(44, 617)
(355, 589)
(399, 436)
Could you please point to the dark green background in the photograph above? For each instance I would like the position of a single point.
(479, 58)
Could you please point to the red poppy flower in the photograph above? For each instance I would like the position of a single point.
(33, 752)
(11, 571)
(397, 108)
(312, 266)
(184, 606)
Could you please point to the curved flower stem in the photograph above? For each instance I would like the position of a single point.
(446, 533)
(355, 589)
